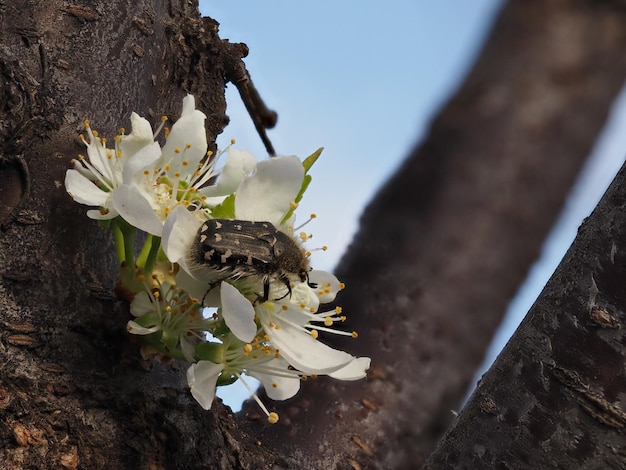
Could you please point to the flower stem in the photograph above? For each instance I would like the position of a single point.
(118, 236)
(149, 254)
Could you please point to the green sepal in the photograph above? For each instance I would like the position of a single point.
(225, 210)
(213, 352)
(224, 379)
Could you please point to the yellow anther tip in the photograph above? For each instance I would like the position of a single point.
(272, 418)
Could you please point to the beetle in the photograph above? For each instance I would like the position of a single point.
(236, 249)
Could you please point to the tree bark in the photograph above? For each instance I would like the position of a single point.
(440, 251)
(73, 393)
(555, 396)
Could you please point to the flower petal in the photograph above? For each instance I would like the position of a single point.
(327, 285)
(202, 378)
(355, 370)
(84, 191)
(143, 159)
(187, 131)
(140, 136)
(136, 209)
(141, 304)
(238, 313)
(179, 233)
(239, 164)
(277, 387)
(97, 215)
(300, 349)
(267, 194)
(136, 329)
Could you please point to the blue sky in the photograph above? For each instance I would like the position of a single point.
(363, 80)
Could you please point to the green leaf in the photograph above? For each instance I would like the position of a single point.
(311, 159)
(226, 209)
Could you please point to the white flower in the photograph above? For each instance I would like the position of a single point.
(94, 179)
(292, 325)
(258, 359)
(172, 312)
(180, 177)
(144, 183)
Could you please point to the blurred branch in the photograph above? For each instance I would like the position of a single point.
(444, 245)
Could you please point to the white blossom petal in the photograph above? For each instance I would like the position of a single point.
(276, 386)
(355, 370)
(141, 304)
(140, 136)
(267, 194)
(238, 313)
(301, 350)
(202, 378)
(327, 285)
(142, 160)
(136, 329)
(179, 233)
(84, 191)
(188, 130)
(135, 209)
(97, 215)
(239, 164)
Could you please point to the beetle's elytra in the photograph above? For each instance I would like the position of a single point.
(234, 249)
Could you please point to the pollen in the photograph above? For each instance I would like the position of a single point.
(284, 307)
(122, 131)
(324, 248)
(328, 321)
(338, 310)
(313, 216)
(342, 286)
(233, 141)
(314, 333)
(188, 146)
(247, 348)
(355, 334)
(293, 204)
(146, 172)
(272, 418)
(177, 150)
(185, 162)
(86, 124)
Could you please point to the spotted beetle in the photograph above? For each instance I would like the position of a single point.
(236, 249)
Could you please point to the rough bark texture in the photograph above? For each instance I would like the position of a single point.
(555, 398)
(73, 392)
(441, 249)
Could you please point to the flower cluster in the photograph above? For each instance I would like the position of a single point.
(265, 326)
